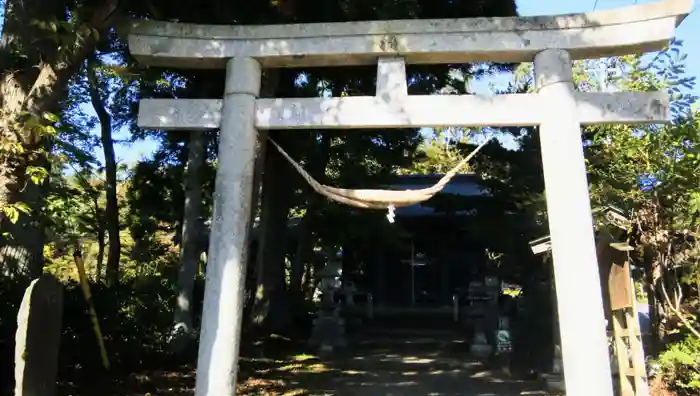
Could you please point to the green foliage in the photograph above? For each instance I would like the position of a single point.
(12, 211)
(633, 166)
(680, 366)
(135, 317)
(653, 173)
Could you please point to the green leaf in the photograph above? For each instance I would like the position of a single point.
(37, 174)
(22, 207)
(694, 203)
(49, 129)
(11, 212)
(51, 117)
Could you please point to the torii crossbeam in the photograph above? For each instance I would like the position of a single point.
(559, 111)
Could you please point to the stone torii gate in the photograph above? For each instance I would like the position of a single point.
(552, 42)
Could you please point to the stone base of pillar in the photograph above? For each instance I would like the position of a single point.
(328, 333)
(480, 347)
(555, 382)
(555, 379)
(481, 351)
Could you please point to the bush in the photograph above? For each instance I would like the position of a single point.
(135, 319)
(679, 365)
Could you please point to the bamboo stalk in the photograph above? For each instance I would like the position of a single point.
(78, 257)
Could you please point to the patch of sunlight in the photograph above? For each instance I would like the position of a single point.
(405, 383)
(296, 392)
(318, 368)
(260, 360)
(482, 374)
(290, 367)
(353, 372)
(490, 376)
(407, 373)
(259, 386)
(303, 357)
(259, 292)
(302, 368)
(438, 372)
(416, 360)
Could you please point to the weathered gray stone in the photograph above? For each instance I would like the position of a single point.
(329, 328)
(622, 31)
(222, 312)
(411, 111)
(38, 338)
(584, 341)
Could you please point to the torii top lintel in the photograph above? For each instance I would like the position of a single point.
(633, 29)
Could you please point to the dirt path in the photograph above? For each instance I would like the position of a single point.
(409, 367)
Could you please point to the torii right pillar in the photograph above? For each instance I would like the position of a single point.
(579, 297)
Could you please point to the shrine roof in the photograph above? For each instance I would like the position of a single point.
(464, 185)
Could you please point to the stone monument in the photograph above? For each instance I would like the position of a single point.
(349, 291)
(38, 338)
(504, 344)
(328, 326)
(482, 306)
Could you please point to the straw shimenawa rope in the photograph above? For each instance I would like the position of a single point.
(378, 199)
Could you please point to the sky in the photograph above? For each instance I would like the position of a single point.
(689, 32)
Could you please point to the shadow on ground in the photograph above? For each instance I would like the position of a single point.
(391, 368)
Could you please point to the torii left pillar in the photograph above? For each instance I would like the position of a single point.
(219, 342)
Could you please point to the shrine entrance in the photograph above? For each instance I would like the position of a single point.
(550, 42)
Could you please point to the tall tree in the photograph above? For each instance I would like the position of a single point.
(98, 93)
(42, 46)
(189, 245)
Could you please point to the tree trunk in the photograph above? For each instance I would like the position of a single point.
(189, 252)
(112, 207)
(306, 282)
(100, 254)
(22, 253)
(652, 275)
(31, 84)
(270, 84)
(100, 240)
(317, 169)
(268, 312)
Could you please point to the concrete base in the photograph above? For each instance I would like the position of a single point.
(555, 383)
